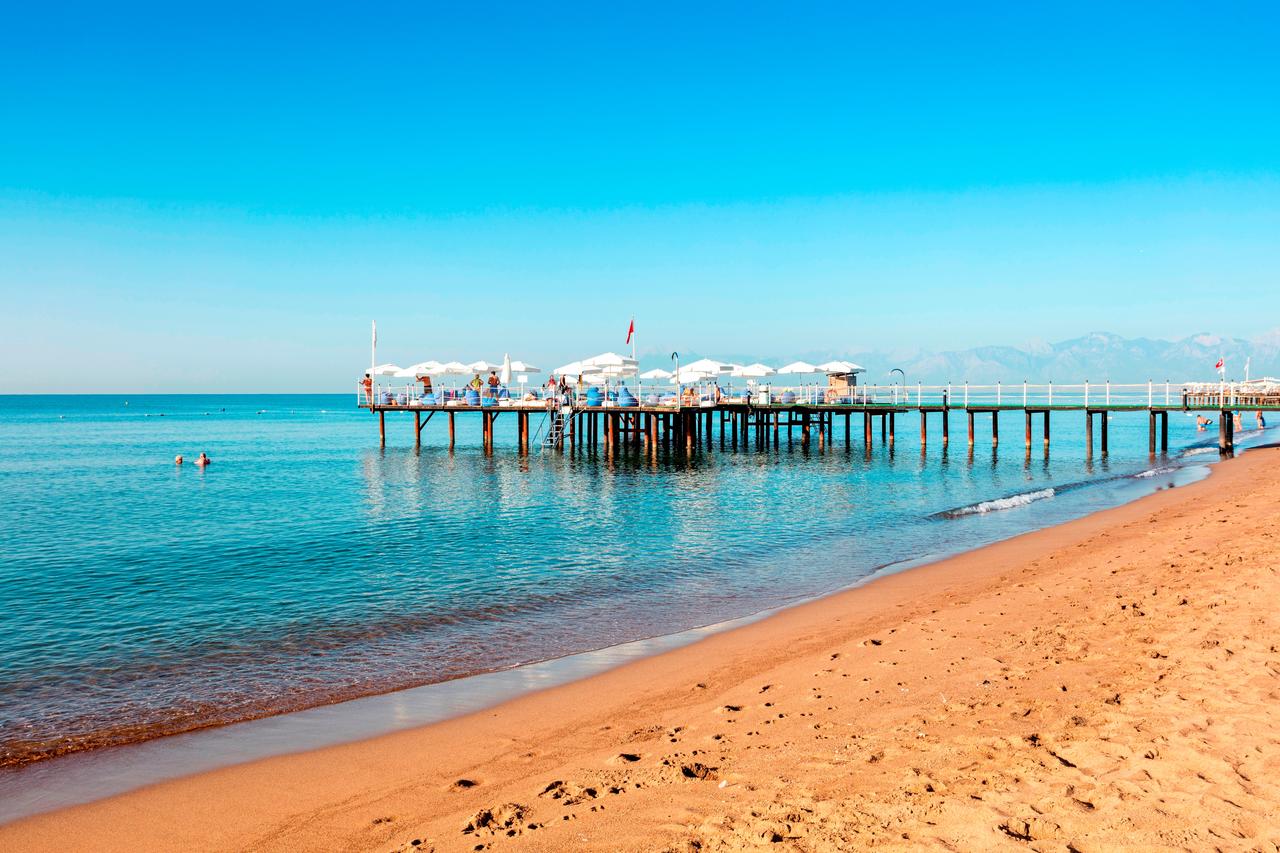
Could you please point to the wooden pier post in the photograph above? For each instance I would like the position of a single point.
(893, 427)
(1151, 432)
(848, 417)
(1027, 413)
(417, 430)
(995, 428)
(866, 429)
(1164, 432)
(804, 429)
(1046, 430)
(451, 430)
(924, 429)
(1226, 432)
(946, 426)
(382, 428)
(969, 412)
(1102, 416)
(1088, 432)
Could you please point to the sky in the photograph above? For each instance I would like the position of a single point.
(223, 197)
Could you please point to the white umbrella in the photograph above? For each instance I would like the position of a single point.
(797, 368)
(405, 373)
(839, 366)
(657, 373)
(505, 376)
(386, 370)
(483, 366)
(612, 359)
(754, 371)
(423, 368)
(452, 368)
(690, 374)
(573, 368)
(519, 366)
(709, 366)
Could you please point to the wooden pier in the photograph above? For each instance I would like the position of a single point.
(734, 425)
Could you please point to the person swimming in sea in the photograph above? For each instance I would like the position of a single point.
(202, 460)
(177, 460)
(1262, 422)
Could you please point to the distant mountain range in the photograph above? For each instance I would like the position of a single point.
(1097, 357)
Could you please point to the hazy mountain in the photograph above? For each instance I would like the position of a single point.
(1098, 356)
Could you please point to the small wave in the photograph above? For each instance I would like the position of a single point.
(1155, 472)
(1199, 451)
(999, 504)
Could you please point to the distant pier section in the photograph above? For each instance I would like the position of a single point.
(648, 416)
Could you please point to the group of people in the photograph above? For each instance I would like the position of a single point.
(1237, 421)
(201, 460)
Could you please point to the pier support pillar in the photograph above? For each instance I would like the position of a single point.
(1028, 430)
(1088, 432)
(451, 430)
(1046, 430)
(970, 414)
(946, 426)
(1102, 416)
(893, 427)
(1164, 432)
(417, 430)
(1151, 433)
(995, 428)
(382, 429)
(1226, 432)
(866, 430)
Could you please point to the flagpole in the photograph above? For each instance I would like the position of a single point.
(633, 337)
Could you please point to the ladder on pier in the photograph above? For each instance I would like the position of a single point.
(559, 418)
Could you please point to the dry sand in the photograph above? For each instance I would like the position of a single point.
(1113, 683)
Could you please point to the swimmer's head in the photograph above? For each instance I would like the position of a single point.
(177, 460)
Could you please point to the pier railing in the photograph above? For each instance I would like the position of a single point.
(1020, 395)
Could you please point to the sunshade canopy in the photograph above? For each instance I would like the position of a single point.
(797, 368)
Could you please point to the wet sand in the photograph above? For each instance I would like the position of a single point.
(1110, 683)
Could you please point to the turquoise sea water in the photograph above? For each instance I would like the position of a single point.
(306, 565)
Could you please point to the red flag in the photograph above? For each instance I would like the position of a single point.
(631, 329)
(1220, 364)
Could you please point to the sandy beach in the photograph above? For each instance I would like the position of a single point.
(1110, 683)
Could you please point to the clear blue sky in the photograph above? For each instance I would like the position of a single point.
(222, 197)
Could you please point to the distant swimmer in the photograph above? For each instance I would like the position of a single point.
(1237, 422)
(1201, 423)
(1262, 422)
(203, 460)
(177, 460)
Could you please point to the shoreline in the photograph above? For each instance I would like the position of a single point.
(513, 750)
(85, 776)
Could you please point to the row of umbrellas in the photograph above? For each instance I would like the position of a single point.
(610, 365)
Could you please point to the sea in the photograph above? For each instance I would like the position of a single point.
(307, 565)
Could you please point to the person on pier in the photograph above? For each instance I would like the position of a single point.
(367, 384)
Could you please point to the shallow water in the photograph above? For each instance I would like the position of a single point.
(306, 565)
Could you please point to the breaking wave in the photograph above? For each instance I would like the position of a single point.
(998, 504)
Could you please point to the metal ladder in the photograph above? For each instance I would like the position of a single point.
(559, 420)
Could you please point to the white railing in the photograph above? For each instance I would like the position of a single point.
(1150, 394)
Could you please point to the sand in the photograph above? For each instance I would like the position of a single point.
(1113, 683)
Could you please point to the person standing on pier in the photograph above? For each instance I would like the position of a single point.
(367, 382)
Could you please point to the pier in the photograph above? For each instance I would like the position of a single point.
(704, 417)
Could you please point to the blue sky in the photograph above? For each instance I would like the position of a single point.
(222, 198)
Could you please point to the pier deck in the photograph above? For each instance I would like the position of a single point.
(693, 427)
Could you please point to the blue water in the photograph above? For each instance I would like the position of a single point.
(307, 566)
